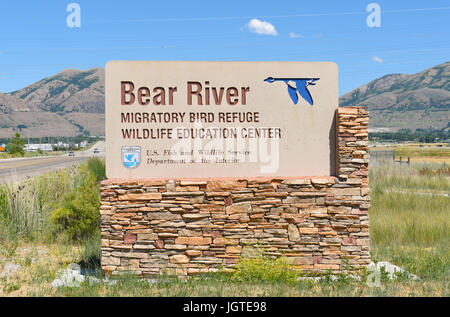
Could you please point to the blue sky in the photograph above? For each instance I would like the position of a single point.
(35, 41)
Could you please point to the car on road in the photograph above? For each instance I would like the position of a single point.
(96, 151)
(71, 153)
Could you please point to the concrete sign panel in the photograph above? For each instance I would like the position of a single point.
(190, 120)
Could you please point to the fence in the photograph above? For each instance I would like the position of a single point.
(387, 156)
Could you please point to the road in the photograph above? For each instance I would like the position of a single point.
(12, 170)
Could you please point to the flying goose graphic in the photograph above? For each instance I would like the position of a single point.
(295, 85)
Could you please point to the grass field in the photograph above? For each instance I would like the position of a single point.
(408, 229)
(424, 154)
(420, 153)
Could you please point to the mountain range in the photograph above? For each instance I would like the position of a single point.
(72, 103)
(68, 104)
(398, 101)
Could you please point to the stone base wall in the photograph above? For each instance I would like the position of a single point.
(193, 226)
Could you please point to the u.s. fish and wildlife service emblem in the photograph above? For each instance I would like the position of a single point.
(131, 156)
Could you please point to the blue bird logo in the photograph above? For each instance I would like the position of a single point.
(130, 160)
(295, 85)
(129, 157)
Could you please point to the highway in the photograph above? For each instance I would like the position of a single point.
(12, 170)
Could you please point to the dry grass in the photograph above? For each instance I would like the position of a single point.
(40, 264)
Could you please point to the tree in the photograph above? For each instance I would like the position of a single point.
(16, 145)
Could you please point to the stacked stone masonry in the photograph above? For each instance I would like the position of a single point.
(187, 227)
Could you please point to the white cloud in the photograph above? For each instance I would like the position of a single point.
(261, 27)
(377, 59)
(294, 35)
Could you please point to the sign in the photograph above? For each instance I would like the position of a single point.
(183, 120)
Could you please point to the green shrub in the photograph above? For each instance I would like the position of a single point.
(78, 215)
(265, 269)
(43, 207)
(4, 207)
(97, 167)
(92, 251)
(21, 215)
(16, 146)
